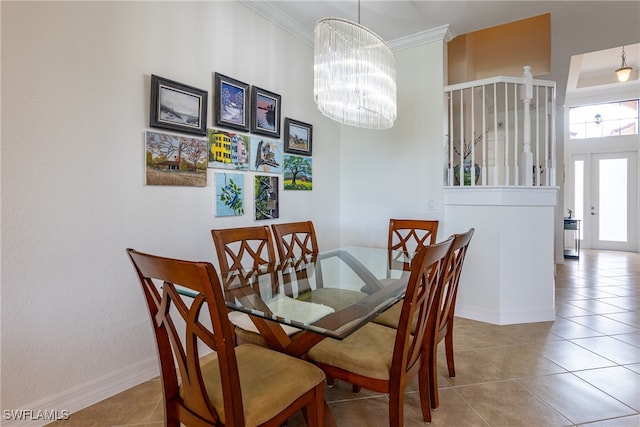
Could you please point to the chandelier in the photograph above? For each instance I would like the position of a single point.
(354, 80)
(624, 71)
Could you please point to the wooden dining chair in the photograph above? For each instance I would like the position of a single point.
(383, 359)
(407, 236)
(245, 248)
(246, 385)
(446, 314)
(295, 240)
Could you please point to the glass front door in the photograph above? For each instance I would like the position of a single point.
(604, 197)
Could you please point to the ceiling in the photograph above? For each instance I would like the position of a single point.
(592, 32)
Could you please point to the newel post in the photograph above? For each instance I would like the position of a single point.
(526, 161)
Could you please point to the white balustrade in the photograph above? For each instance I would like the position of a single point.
(505, 127)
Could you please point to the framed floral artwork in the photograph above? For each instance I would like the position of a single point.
(229, 194)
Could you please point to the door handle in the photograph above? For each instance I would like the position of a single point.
(593, 213)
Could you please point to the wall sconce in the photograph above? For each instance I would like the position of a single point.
(624, 71)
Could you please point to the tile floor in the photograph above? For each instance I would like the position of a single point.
(582, 369)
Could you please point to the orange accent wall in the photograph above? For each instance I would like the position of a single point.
(501, 51)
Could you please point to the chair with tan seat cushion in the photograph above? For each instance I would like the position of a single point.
(245, 385)
(245, 248)
(383, 359)
(446, 314)
(297, 242)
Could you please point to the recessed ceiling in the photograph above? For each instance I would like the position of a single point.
(596, 69)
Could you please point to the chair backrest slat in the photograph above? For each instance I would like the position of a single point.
(408, 236)
(295, 240)
(243, 247)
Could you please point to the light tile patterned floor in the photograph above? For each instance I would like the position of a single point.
(582, 369)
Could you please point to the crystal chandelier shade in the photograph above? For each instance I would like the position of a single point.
(354, 75)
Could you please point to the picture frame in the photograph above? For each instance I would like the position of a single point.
(298, 137)
(265, 112)
(177, 106)
(231, 106)
(175, 160)
(266, 197)
(266, 154)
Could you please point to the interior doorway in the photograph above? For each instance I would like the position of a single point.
(604, 199)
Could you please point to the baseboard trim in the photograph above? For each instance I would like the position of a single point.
(506, 317)
(79, 397)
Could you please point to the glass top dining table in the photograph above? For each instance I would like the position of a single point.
(330, 294)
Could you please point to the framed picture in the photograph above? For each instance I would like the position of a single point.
(297, 137)
(265, 112)
(229, 194)
(175, 160)
(228, 150)
(231, 107)
(267, 198)
(297, 173)
(266, 154)
(177, 106)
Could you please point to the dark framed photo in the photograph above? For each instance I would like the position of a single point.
(297, 137)
(231, 107)
(265, 112)
(177, 106)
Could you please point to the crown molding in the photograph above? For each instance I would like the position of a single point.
(271, 13)
(440, 33)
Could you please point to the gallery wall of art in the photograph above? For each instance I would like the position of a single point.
(247, 135)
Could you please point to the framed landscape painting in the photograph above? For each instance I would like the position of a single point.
(265, 112)
(175, 160)
(297, 173)
(178, 107)
(231, 107)
(297, 137)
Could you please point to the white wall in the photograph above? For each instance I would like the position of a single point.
(75, 105)
(394, 173)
